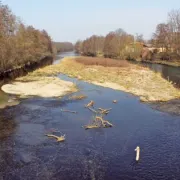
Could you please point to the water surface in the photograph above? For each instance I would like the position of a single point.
(26, 153)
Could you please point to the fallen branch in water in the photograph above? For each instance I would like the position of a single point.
(93, 110)
(90, 104)
(104, 123)
(91, 126)
(98, 121)
(104, 111)
(59, 138)
(65, 110)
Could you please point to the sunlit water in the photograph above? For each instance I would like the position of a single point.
(26, 153)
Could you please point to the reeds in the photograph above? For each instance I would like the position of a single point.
(106, 62)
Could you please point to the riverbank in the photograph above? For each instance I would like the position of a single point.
(167, 63)
(40, 86)
(115, 74)
(22, 70)
(34, 84)
(140, 81)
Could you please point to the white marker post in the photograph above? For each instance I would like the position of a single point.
(137, 153)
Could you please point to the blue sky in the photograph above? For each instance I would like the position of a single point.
(70, 20)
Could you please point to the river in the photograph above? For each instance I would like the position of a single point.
(26, 153)
(168, 72)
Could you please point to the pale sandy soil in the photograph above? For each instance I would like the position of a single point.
(43, 87)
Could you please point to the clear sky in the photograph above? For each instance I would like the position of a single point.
(70, 20)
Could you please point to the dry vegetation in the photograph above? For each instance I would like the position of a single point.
(106, 62)
(119, 75)
(150, 86)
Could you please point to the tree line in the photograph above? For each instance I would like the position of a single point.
(20, 44)
(167, 37)
(164, 44)
(63, 46)
(116, 44)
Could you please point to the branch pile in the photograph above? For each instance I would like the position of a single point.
(98, 120)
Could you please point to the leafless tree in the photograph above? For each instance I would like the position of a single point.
(20, 44)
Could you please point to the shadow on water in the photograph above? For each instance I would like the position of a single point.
(89, 154)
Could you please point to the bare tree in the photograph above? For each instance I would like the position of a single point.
(20, 44)
(78, 46)
(174, 26)
(139, 38)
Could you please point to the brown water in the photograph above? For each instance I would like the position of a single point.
(26, 153)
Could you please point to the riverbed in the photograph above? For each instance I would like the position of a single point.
(26, 153)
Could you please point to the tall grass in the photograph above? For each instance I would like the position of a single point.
(106, 62)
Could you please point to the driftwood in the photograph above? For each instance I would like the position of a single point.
(104, 111)
(91, 126)
(77, 97)
(100, 110)
(137, 153)
(59, 138)
(65, 110)
(93, 110)
(90, 104)
(104, 122)
(98, 121)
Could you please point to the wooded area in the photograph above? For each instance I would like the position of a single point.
(117, 44)
(164, 45)
(20, 44)
(167, 37)
(63, 46)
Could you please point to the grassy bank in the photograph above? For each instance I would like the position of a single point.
(172, 63)
(168, 63)
(120, 75)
